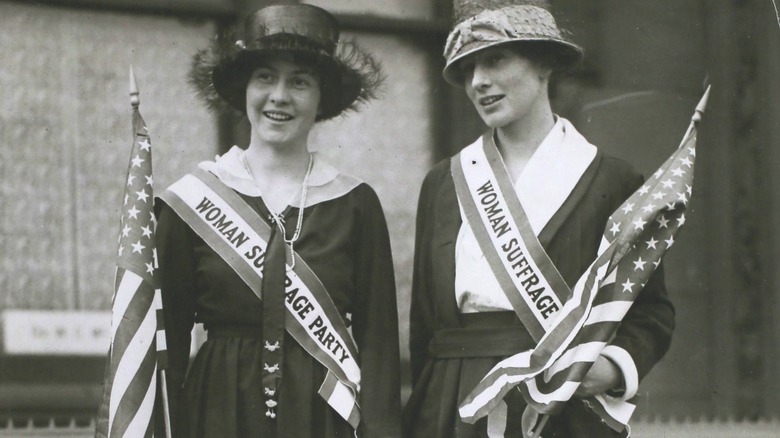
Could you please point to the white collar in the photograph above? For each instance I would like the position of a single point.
(230, 169)
(552, 172)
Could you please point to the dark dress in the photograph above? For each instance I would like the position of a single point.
(345, 242)
(571, 238)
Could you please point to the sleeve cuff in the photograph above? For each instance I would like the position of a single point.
(623, 360)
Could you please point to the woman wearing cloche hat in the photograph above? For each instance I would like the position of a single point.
(504, 230)
(285, 261)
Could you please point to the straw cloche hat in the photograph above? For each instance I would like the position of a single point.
(481, 24)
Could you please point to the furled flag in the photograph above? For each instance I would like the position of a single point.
(635, 238)
(130, 384)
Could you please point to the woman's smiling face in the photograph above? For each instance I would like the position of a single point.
(282, 100)
(503, 85)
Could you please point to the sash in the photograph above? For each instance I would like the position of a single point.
(240, 236)
(523, 269)
(503, 230)
(527, 276)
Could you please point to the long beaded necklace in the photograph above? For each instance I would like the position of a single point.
(278, 218)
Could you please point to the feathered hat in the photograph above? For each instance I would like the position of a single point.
(348, 75)
(480, 24)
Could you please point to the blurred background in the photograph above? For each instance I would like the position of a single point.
(65, 139)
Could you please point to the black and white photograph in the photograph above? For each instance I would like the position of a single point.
(389, 219)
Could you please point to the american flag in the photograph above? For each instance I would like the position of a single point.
(130, 384)
(635, 239)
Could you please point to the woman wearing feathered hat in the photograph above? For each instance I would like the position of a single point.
(505, 229)
(284, 260)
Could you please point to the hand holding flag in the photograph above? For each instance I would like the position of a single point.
(635, 239)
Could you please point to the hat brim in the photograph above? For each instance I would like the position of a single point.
(339, 86)
(349, 76)
(567, 55)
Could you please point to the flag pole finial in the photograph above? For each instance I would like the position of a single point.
(135, 100)
(702, 104)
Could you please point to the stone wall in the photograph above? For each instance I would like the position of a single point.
(66, 138)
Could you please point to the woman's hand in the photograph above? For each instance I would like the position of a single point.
(603, 376)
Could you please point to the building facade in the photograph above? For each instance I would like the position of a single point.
(65, 137)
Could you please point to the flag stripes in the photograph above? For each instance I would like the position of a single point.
(635, 238)
(571, 357)
(615, 412)
(162, 343)
(496, 422)
(133, 364)
(133, 412)
(129, 285)
(628, 260)
(607, 312)
(137, 331)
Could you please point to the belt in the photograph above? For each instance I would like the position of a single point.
(483, 334)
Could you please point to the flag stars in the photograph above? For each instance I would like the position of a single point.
(648, 208)
(682, 198)
(629, 207)
(692, 151)
(137, 247)
(687, 162)
(644, 189)
(658, 173)
(142, 195)
(133, 212)
(651, 243)
(662, 222)
(137, 161)
(667, 183)
(681, 220)
(678, 172)
(627, 286)
(658, 195)
(639, 224)
(149, 181)
(120, 251)
(671, 206)
(145, 145)
(149, 268)
(125, 231)
(130, 179)
(639, 264)
(615, 228)
(669, 242)
(153, 219)
(688, 189)
(147, 232)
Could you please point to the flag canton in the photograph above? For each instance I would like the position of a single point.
(645, 225)
(136, 250)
